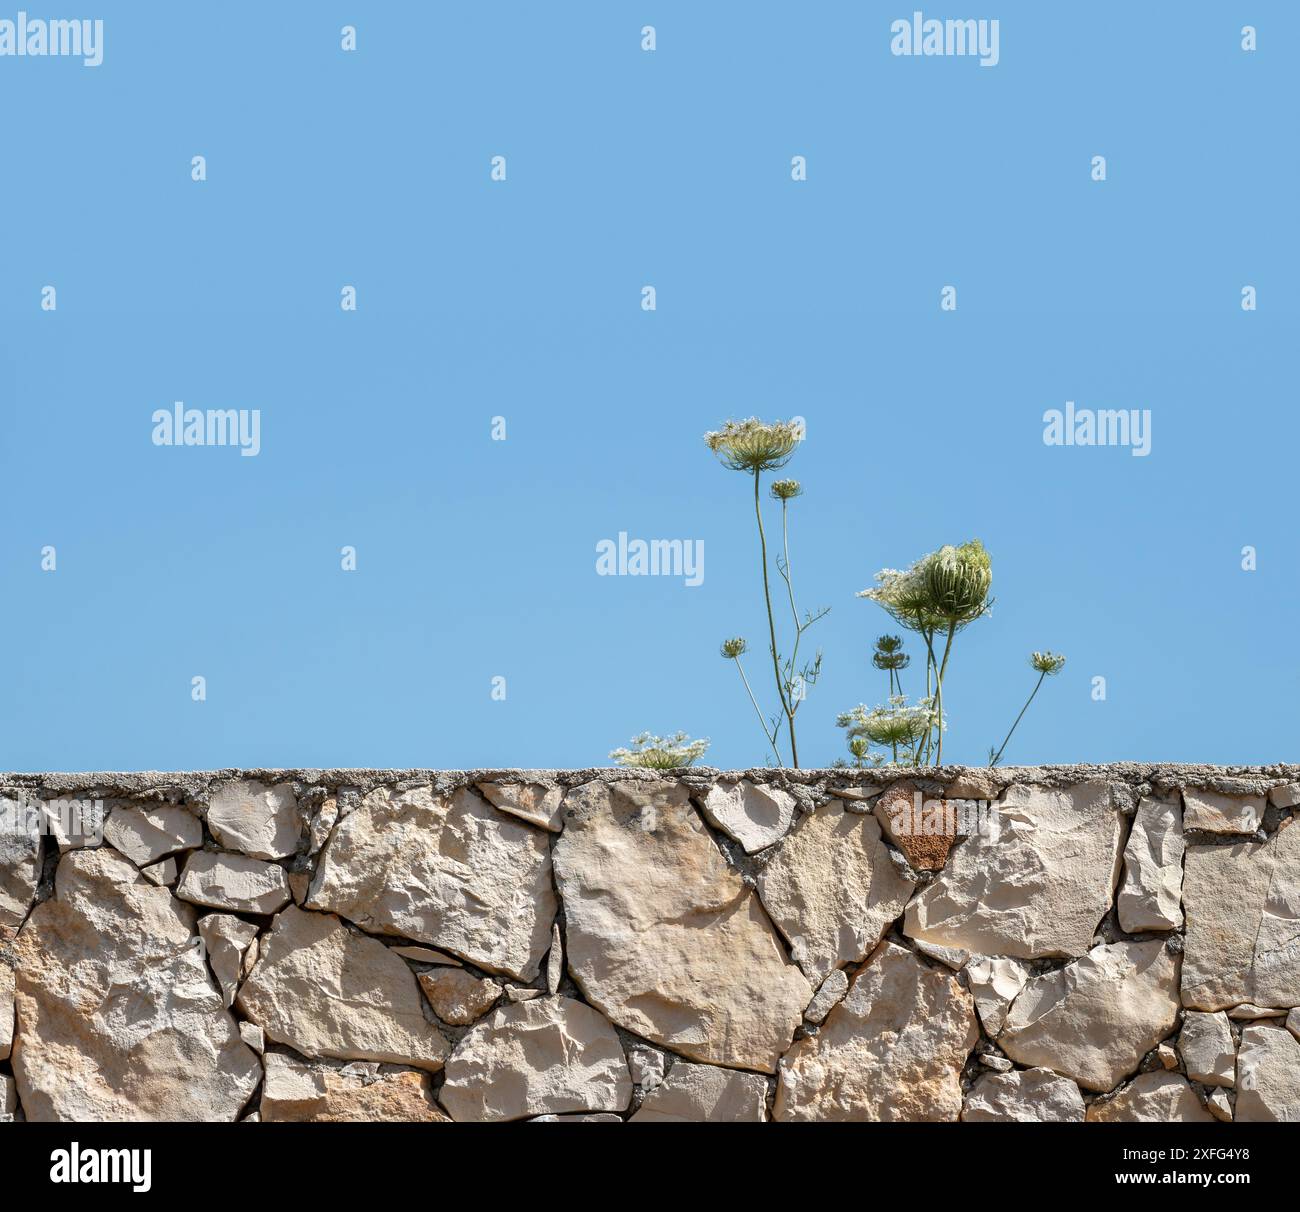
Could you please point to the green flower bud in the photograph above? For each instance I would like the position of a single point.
(1049, 662)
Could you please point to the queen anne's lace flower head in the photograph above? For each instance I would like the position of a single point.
(903, 594)
(754, 445)
(1050, 663)
(946, 588)
(661, 753)
(892, 723)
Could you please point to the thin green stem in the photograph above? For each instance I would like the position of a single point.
(771, 740)
(794, 610)
(893, 744)
(771, 623)
(930, 666)
(997, 757)
(785, 547)
(943, 668)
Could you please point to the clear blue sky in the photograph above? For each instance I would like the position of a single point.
(522, 299)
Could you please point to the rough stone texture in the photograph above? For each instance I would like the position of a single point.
(599, 1117)
(893, 1049)
(832, 890)
(1268, 1076)
(924, 832)
(234, 882)
(163, 874)
(448, 871)
(118, 1016)
(1095, 1019)
(1157, 1097)
(1205, 1044)
(1214, 813)
(831, 993)
(255, 819)
(6, 1006)
(555, 961)
(20, 870)
(426, 955)
(115, 989)
(296, 1091)
(457, 997)
(1248, 1012)
(75, 824)
(705, 1094)
(995, 982)
(647, 1067)
(1039, 888)
(756, 817)
(1150, 897)
(542, 1057)
(531, 802)
(1285, 795)
(955, 958)
(322, 824)
(1218, 1104)
(328, 991)
(979, 783)
(1024, 1096)
(146, 835)
(228, 941)
(664, 937)
(1166, 778)
(1242, 903)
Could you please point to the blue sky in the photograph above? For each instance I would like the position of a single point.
(522, 299)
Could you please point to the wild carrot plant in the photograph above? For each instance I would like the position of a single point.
(1048, 665)
(755, 447)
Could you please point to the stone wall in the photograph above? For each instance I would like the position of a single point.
(1100, 943)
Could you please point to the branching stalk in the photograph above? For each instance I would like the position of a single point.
(771, 623)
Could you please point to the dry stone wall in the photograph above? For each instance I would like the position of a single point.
(1051, 943)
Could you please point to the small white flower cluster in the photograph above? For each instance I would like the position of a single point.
(884, 579)
(754, 445)
(1047, 662)
(892, 723)
(895, 584)
(661, 753)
